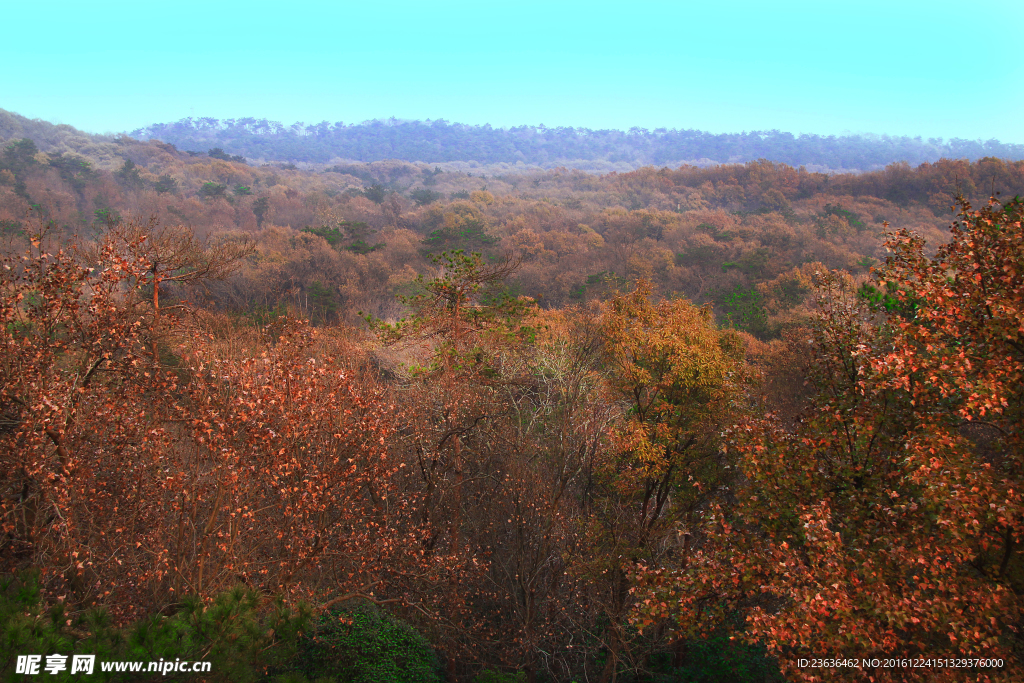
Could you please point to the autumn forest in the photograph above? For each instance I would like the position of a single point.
(346, 420)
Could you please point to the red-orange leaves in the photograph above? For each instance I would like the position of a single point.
(887, 524)
(239, 458)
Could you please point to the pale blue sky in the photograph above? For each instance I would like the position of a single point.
(935, 69)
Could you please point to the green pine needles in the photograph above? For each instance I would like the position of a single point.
(366, 645)
(240, 633)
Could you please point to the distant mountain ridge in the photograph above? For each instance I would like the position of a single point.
(441, 141)
(528, 146)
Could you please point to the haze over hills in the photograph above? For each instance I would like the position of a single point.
(441, 141)
(522, 147)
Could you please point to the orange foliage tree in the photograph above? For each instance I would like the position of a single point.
(887, 523)
(252, 459)
(678, 381)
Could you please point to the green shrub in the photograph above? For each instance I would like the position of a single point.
(720, 660)
(235, 633)
(422, 197)
(743, 308)
(366, 645)
(210, 190)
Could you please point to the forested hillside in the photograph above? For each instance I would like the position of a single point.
(437, 141)
(350, 238)
(386, 421)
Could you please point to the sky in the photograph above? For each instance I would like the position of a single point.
(930, 69)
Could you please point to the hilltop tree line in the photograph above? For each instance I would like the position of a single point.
(439, 141)
(386, 422)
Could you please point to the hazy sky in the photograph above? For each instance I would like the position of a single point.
(935, 68)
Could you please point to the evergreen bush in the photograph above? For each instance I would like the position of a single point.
(366, 645)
